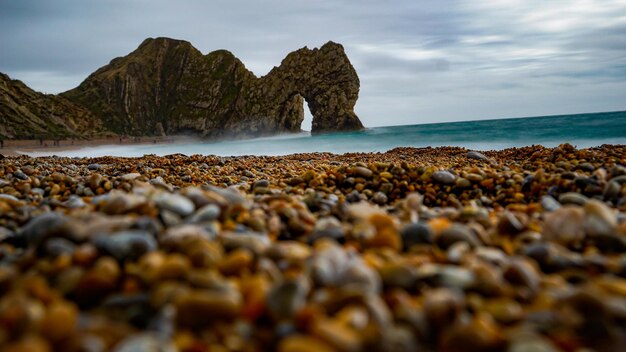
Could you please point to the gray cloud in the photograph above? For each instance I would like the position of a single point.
(419, 61)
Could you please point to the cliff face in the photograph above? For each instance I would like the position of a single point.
(27, 114)
(168, 86)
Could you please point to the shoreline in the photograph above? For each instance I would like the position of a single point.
(20, 147)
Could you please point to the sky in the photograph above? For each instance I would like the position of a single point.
(418, 61)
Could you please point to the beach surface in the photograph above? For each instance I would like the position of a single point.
(439, 249)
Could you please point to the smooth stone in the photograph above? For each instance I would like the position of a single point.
(521, 272)
(126, 245)
(159, 182)
(20, 175)
(200, 308)
(455, 277)
(130, 177)
(444, 177)
(255, 242)
(586, 167)
(565, 225)
(549, 203)
(611, 190)
(207, 213)
(380, 198)
(94, 167)
(573, 198)
(457, 251)
(231, 195)
(44, 226)
(474, 177)
(599, 219)
(476, 155)
(456, 233)
(416, 233)
(12, 200)
(74, 202)
(327, 227)
(363, 172)
(491, 255)
(463, 183)
(261, 183)
(4, 182)
(175, 203)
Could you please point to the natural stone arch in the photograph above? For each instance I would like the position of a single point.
(169, 83)
(325, 79)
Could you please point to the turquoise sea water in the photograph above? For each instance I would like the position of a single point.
(581, 130)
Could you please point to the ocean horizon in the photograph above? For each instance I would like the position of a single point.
(581, 130)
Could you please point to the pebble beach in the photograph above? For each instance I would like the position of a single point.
(433, 249)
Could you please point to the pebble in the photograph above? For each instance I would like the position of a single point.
(363, 172)
(565, 225)
(200, 308)
(549, 203)
(380, 198)
(573, 198)
(415, 234)
(126, 245)
(476, 155)
(94, 167)
(175, 203)
(456, 233)
(444, 177)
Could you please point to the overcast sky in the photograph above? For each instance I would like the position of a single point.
(418, 61)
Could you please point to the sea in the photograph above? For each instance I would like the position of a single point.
(580, 130)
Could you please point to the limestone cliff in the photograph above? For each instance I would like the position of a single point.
(27, 114)
(168, 86)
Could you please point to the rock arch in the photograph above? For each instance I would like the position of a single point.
(169, 83)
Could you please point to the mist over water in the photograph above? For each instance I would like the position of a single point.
(581, 130)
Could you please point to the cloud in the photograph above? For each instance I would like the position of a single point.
(419, 61)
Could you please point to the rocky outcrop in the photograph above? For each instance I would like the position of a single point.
(168, 86)
(27, 114)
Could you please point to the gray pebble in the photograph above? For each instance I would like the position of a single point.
(549, 203)
(20, 175)
(261, 183)
(175, 203)
(476, 155)
(417, 233)
(573, 198)
(207, 213)
(126, 245)
(380, 198)
(445, 177)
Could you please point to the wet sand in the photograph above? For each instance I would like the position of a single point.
(435, 249)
